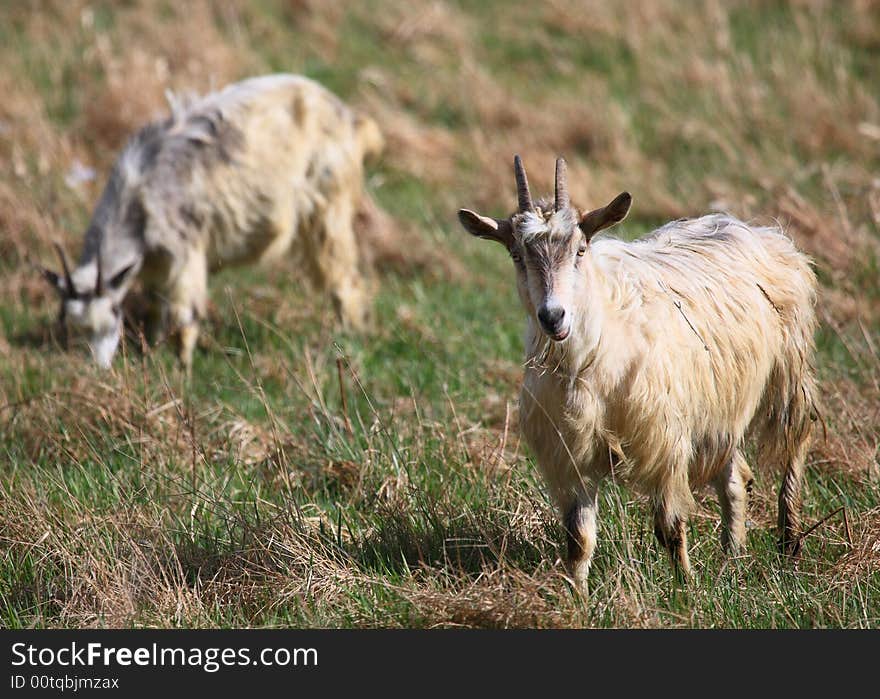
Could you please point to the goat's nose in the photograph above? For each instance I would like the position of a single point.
(551, 317)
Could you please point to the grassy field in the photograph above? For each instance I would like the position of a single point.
(308, 477)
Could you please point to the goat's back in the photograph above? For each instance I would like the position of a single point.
(238, 171)
(711, 333)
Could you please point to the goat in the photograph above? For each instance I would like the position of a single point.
(242, 175)
(653, 360)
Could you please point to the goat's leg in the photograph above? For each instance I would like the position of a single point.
(790, 501)
(579, 520)
(670, 529)
(336, 266)
(187, 305)
(156, 318)
(187, 339)
(733, 486)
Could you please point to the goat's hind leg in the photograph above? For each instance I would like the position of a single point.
(790, 502)
(733, 486)
(786, 443)
(336, 266)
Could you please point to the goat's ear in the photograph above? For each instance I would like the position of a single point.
(599, 219)
(495, 229)
(54, 279)
(119, 278)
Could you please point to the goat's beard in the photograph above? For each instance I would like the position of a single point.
(545, 354)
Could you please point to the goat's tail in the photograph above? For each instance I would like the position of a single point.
(789, 410)
(370, 139)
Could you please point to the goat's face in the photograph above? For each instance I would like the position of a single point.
(547, 252)
(92, 310)
(99, 320)
(548, 245)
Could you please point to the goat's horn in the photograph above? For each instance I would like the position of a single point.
(68, 280)
(99, 279)
(562, 200)
(522, 186)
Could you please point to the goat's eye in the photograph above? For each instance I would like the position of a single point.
(515, 256)
(582, 250)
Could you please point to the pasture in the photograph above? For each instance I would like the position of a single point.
(310, 477)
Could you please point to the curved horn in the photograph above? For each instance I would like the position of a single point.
(99, 280)
(562, 199)
(522, 186)
(68, 280)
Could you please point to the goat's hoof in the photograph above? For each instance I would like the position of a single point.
(579, 584)
(790, 548)
(580, 590)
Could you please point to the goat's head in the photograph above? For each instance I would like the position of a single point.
(92, 309)
(548, 243)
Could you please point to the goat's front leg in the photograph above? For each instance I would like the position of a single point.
(733, 487)
(156, 318)
(579, 520)
(187, 338)
(187, 305)
(670, 528)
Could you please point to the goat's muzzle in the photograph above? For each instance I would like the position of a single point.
(552, 319)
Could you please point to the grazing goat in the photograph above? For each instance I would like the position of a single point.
(652, 360)
(265, 166)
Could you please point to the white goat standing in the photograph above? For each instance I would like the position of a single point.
(656, 358)
(266, 166)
